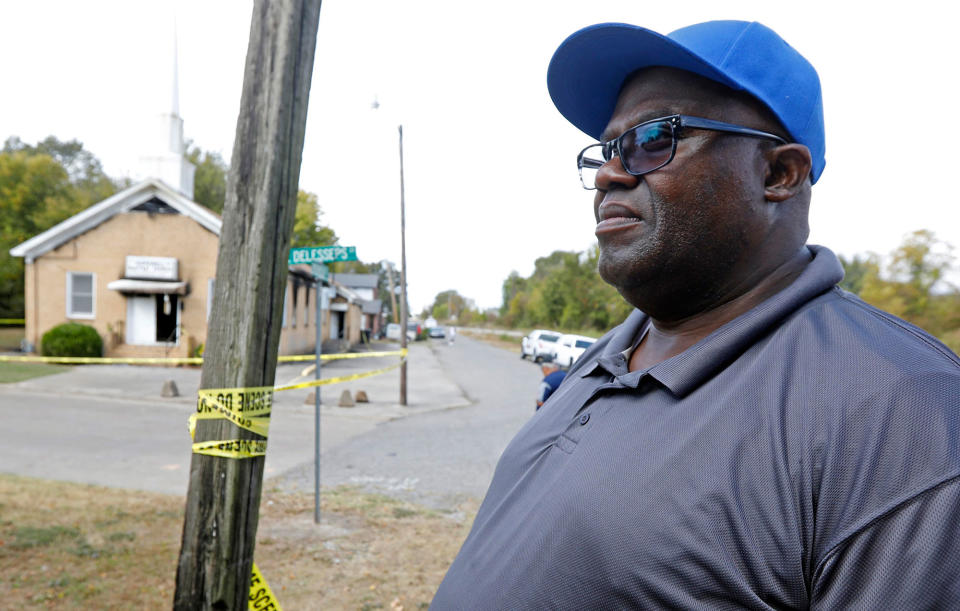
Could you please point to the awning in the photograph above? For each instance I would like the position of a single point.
(149, 287)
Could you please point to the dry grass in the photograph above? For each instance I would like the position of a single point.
(500, 340)
(69, 546)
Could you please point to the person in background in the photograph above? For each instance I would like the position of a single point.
(552, 376)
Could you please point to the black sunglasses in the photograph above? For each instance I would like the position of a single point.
(651, 145)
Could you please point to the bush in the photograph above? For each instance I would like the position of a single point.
(71, 339)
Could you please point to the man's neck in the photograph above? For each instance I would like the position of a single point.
(665, 339)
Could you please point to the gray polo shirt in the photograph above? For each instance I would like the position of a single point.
(804, 455)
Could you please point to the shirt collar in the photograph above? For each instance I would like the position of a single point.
(687, 370)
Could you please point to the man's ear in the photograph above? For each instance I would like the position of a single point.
(788, 167)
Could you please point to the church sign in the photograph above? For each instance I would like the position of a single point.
(152, 268)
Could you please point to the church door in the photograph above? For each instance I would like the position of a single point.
(152, 319)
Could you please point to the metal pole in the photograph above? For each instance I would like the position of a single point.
(316, 407)
(403, 279)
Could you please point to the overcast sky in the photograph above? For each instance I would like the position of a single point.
(491, 180)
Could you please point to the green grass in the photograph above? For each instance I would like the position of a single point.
(17, 372)
(26, 537)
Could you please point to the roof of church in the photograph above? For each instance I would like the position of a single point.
(143, 195)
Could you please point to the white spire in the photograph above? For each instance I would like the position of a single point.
(175, 105)
(165, 148)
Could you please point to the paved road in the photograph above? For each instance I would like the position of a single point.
(107, 425)
(439, 458)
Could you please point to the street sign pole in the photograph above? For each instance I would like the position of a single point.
(320, 274)
(316, 256)
(316, 405)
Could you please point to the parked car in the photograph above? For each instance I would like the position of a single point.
(414, 326)
(541, 345)
(437, 332)
(393, 332)
(570, 347)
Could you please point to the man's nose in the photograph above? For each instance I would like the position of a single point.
(612, 175)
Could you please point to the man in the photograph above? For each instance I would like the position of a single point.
(751, 436)
(552, 377)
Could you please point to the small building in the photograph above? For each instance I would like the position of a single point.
(344, 318)
(366, 286)
(341, 314)
(140, 267)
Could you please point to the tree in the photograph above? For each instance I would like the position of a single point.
(210, 178)
(210, 188)
(564, 291)
(40, 186)
(451, 306)
(911, 286)
(856, 271)
(90, 183)
(513, 285)
(918, 264)
(307, 230)
(447, 305)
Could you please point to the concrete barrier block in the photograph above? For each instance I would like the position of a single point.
(169, 389)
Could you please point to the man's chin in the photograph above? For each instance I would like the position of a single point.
(623, 274)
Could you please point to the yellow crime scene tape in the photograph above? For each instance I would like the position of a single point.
(249, 409)
(193, 360)
(12, 321)
(100, 360)
(261, 596)
(342, 355)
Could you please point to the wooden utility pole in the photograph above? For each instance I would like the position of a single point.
(403, 279)
(393, 292)
(223, 498)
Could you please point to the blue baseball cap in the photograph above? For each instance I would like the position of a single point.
(589, 68)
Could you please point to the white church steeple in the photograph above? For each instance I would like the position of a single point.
(164, 156)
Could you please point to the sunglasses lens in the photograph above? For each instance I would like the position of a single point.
(646, 147)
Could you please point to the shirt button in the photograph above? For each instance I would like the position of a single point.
(584, 418)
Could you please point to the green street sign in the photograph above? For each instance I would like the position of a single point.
(322, 254)
(320, 271)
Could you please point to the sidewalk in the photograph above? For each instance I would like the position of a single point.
(292, 424)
